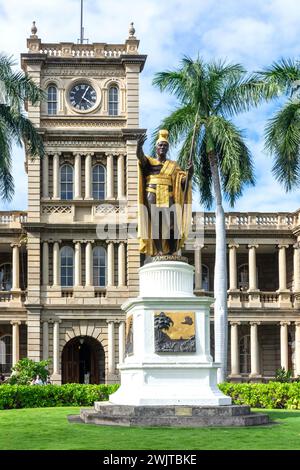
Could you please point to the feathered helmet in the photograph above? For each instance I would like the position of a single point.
(163, 135)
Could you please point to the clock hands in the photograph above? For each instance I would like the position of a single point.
(84, 93)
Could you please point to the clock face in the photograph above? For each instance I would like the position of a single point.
(83, 96)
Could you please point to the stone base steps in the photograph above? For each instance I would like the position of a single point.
(106, 413)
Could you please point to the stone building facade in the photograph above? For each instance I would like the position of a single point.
(70, 261)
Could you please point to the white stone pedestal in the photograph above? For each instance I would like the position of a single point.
(168, 378)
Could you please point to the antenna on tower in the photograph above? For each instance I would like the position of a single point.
(82, 39)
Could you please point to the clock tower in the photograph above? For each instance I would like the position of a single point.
(82, 196)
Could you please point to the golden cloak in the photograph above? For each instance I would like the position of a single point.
(183, 208)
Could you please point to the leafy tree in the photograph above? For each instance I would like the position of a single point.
(25, 370)
(209, 95)
(16, 88)
(282, 133)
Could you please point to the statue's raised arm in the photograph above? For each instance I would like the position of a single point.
(139, 151)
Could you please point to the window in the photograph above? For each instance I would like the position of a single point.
(6, 276)
(98, 182)
(113, 101)
(243, 277)
(52, 99)
(5, 354)
(66, 182)
(245, 365)
(67, 266)
(99, 266)
(205, 278)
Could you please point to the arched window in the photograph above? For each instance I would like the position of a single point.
(245, 364)
(243, 277)
(113, 101)
(99, 266)
(5, 353)
(6, 276)
(67, 266)
(98, 182)
(52, 99)
(205, 277)
(66, 182)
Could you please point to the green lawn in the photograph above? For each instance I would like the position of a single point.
(48, 428)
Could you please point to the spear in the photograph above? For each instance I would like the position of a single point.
(190, 158)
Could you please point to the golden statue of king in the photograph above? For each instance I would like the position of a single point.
(165, 200)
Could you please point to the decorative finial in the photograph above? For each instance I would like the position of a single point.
(131, 30)
(33, 29)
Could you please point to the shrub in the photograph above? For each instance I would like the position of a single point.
(28, 396)
(282, 375)
(270, 395)
(26, 369)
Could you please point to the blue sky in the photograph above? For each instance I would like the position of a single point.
(252, 32)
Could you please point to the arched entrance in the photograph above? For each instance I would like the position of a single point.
(83, 361)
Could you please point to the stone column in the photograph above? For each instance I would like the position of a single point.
(254, 349)
(252, 267)
(121, 341)
(234, 294)
(77, 263)
(121, 264)
(56, 347)
(110, 177)
(88, 176)
(77, 176)
(56, 176)
(284, 348)
(254, 295)
(296, 284)
(121, 177)
(45, 184)
(111, 347)
(284, 293)
(56, 264)
(232, 266)
(282, 266)
(110, 264)
(15, 266)
(15, 341)
(45, 340)
(297, 349)
(234, 348)
(88, 264)
(45, 266)
(198, 267)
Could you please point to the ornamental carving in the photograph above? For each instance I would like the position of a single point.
(82, 123)
(106, 73)
(56, 210)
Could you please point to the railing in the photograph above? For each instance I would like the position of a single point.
(269, 297)
(67, 293)
(7, 218)
(80, 50)
(248, 220)
(7, 296)
(100, 292)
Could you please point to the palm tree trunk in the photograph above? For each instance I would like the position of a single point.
(220, 277)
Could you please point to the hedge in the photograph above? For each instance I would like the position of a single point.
(269, 395)
(38, 396)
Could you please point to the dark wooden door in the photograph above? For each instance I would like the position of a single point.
(70, 363)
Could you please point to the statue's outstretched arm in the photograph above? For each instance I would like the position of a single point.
(139, 151)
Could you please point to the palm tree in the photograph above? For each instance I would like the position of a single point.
(15, 89)
(282, 133)
(209, 94)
